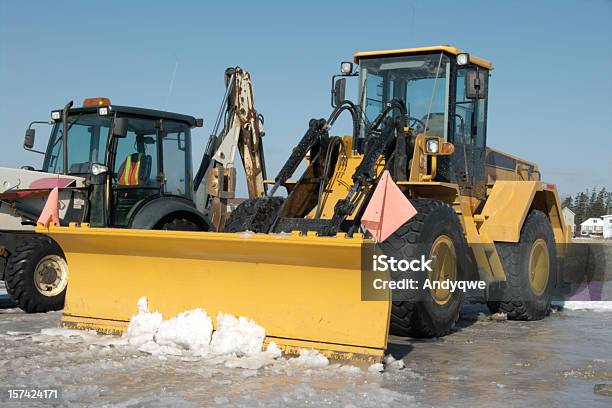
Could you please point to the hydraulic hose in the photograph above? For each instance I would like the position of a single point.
(353, 110)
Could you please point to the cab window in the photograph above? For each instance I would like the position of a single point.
(136, 163)
(87, 139)
(470, 114)
(421, 81)
(372, 94)
(176, 144)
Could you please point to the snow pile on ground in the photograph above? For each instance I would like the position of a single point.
(247, 234)
(309, 358)
(191, 334)
(240, 336)
(237, 342)
(189, 330)
(599, 306)
(390, 362)
(499, 317)
(143, 325)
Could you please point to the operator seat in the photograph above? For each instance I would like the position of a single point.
(135, 170)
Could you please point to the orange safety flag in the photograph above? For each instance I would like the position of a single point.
(50, 212)
(387, 210)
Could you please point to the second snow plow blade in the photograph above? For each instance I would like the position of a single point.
(304, 290)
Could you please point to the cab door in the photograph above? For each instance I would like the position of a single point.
(469, 131)
(135, 170)
(176, 159)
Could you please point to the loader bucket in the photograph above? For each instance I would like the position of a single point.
(304, 290)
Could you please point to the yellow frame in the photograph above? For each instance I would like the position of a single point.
(481, 62)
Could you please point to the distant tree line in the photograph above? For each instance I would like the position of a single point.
(589, 205)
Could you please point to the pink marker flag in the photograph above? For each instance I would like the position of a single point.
(50, 182)
(50, 212)
(387, 210)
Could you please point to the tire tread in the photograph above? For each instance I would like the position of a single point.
(512, 302)
(405, 317)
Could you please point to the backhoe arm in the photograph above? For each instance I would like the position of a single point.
(242, 131)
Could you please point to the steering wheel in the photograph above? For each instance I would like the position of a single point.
(413, 121)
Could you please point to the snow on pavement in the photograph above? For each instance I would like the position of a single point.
(120, 376)
(595, 305)
(182, 362)
(101, 371)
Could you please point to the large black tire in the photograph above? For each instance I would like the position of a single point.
(435, 223)
(2, 267)
(255, 214)
(42, 257)
(522, 298)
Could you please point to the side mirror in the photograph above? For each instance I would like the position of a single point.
(476, 84)
(30, 136)
(338, 93)
(120, 127)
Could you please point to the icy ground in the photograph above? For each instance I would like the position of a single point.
(555, 362)
(598, 306)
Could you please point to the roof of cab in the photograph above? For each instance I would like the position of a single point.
(481, 62)
(150, 113)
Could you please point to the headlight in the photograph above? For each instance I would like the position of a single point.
(346, 68)
(103, 111)
(463, 59)
(56, 115)
(432, 146)
(97, 169)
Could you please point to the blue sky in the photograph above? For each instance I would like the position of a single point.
(550, 95)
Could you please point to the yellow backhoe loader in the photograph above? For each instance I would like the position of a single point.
(299, 265)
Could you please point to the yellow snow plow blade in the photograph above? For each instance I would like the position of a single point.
(304, 290)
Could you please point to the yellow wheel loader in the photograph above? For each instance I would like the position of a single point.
(300, 265)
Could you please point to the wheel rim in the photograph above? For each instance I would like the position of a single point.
(444, 267)
(539, 266)
(51, 275)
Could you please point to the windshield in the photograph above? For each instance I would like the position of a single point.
(421, 81)
(87, 141)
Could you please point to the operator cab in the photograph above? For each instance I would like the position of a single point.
(445, 92)
(144, 153)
